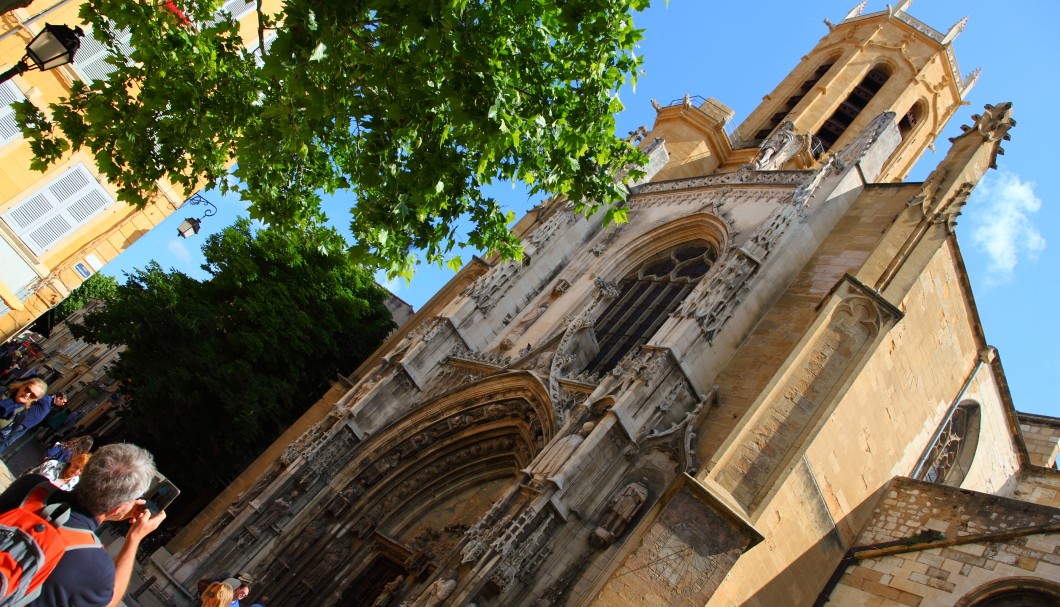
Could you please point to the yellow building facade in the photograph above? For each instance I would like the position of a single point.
(59, 227)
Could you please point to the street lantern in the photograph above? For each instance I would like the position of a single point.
(190, 226)
(55, 45)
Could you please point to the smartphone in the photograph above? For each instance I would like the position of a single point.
(161, 495)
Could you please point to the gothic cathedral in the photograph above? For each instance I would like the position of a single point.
(770, 387)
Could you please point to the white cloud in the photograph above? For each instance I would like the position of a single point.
(394, 285)
(179, 249)
(1002, 210)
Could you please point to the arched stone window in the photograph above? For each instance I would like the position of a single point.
(1013, 592)
(912, 118)
(794, 99)
(647, 297)
(848, 110)
(950, 456)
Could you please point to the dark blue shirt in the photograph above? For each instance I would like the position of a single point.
(37, 411)
(85, 576)
(8, 408)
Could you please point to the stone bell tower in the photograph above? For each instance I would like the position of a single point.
(773, 367)
(865, 65)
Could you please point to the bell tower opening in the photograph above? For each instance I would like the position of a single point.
(794, 99)
(851, 107)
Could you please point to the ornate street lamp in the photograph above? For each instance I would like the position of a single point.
(55, 45)
(190, 226)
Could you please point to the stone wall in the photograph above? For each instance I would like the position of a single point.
(972, 539)
(1042, 437)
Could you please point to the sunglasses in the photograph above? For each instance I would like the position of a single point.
(35, 395)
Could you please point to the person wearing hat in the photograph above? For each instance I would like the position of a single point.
(240, 589)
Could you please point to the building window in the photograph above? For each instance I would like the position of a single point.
(648, 296)
(848, 110)
(57, 209)
(949, 458)
(1013, 592)
(794, 100)
(9, 129)
(911, 118)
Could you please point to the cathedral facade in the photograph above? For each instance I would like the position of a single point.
(769, 387)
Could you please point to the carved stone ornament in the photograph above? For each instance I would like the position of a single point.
(487, 289)
(856, 149)
(679, 439)
(790, 178)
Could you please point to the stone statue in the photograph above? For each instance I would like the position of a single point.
(273, 514)
(389, 591)
(509, 342)
(780, 146)
(623, 508)
(437, 592)
(555, 457)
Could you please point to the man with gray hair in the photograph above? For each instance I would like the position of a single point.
(110, 489)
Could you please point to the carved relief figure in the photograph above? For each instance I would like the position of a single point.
(623, 508)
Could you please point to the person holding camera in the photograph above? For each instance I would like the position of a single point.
(110, 489)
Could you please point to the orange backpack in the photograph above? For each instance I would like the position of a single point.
(33, 538)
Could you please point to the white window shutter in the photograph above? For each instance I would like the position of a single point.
(238, 8)
(9, 130)
(58, 209)
(91, 59)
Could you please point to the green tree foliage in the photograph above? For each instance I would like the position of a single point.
(217, 369)
(98, 286)
(413, 105)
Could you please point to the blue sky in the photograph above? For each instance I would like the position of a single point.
(737, 52)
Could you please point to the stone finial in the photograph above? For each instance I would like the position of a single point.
(901, 7)
(995, 121)
(856, 11)
(970, 80)
(956, 29)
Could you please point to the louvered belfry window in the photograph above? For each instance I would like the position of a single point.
(57, 209)
(851, 107)
(648, 296)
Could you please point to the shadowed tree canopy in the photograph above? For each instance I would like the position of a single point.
(98, 286)
(411, 105)
(217, 369)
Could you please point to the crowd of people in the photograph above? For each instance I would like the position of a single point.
(109, 484)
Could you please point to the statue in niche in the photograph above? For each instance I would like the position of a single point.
(780, 146)
(437, 592)
(272, 515)
(308, 537)
(553, 460)
(389, 591)
(623, 508)
(517, 331)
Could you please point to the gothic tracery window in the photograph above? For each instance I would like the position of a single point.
(648, 295)
(950, 457)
